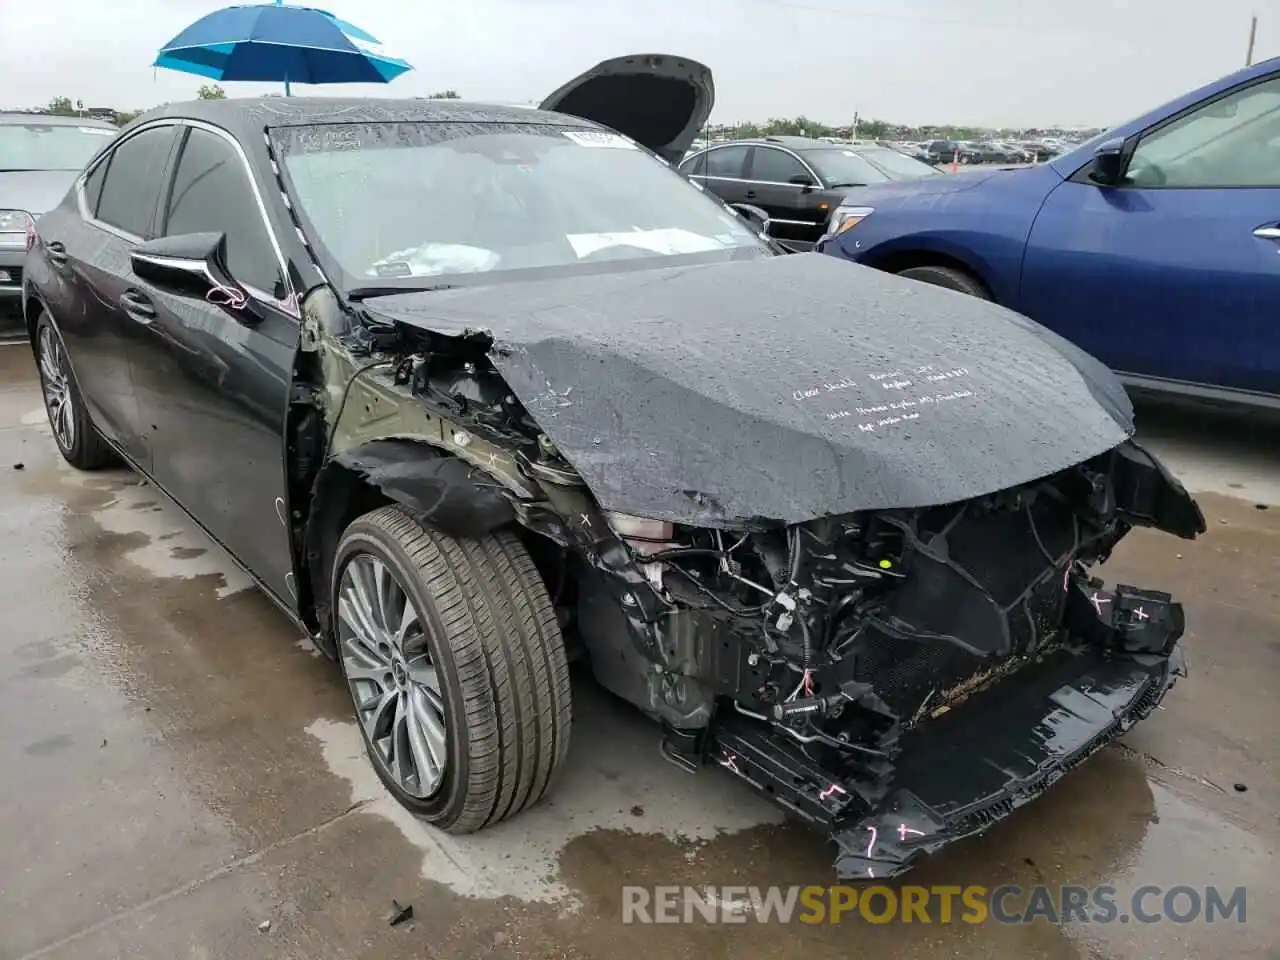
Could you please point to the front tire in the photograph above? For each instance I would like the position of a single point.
(947, 277)
(455, 663)
(73, 431)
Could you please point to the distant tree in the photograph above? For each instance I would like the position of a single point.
(796, 127)
(211, 91)
(873, 129)
(126, 116)
(446, 95)
(64, 107)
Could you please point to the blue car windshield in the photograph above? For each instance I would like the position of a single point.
(404, 200)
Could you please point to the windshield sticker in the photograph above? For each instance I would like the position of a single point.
(599, 139)
(99, 131)
(433, 259)
(666, 241)
(393, 268)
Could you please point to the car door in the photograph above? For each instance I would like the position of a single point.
(720, 170)
(89, 252)
(217, 376)
(786, 188)
(1175, 272)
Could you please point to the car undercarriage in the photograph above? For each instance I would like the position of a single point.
(897, 678)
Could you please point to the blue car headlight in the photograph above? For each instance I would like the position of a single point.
(846, 217)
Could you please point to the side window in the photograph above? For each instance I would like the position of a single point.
(93, 187)
(777, 166)
(695, 166)
(127, 196)
(212, 193)
(1232, 142)
(726, 162)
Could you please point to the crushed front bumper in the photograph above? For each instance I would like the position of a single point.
(969, 769)
(959, 773)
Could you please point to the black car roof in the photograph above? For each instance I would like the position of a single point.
(797, 144)
(248, 116)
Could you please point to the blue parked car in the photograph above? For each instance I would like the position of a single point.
(1155, 246)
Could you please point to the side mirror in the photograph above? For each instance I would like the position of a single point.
(758, 219)
(803, 180)
(192, 265)
(1109, 159)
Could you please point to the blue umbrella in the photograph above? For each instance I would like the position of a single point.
(276, 42)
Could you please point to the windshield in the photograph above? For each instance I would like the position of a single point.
(395, 201)
(849, 168)
(898, 166)
(845, 168)
(49, 146)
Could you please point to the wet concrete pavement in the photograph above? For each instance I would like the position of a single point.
(180, 768)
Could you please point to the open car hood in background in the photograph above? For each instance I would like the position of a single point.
(782, 389)
(656, 99)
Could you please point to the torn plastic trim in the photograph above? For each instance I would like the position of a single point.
(1030, 743)
(443, 491)
(980, 756)
(375, 407)
(1142, 492)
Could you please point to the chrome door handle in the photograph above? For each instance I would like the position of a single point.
(1268, 233)
(137, 306)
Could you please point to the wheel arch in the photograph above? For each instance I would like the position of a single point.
(32, 307)
(441, 490)
(895, 261)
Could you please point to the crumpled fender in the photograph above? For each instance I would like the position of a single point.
(445, 493)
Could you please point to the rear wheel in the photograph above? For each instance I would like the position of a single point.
(948, 277)
(455, 663)
(78, 440)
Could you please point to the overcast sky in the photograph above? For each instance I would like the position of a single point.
(998, 62)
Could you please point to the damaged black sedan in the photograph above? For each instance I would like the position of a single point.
(472, 391)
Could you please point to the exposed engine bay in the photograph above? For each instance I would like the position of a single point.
(835, 664)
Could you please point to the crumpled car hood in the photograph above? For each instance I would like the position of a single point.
(782, 389)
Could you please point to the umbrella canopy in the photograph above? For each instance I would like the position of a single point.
(273, 42)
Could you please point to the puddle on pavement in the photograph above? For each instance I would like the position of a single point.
(1102, 824)
(151, 533)
(614, 780)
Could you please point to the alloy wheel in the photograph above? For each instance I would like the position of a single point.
(393, 680)
(55, 377)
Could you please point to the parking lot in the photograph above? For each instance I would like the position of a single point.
(183, 779)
